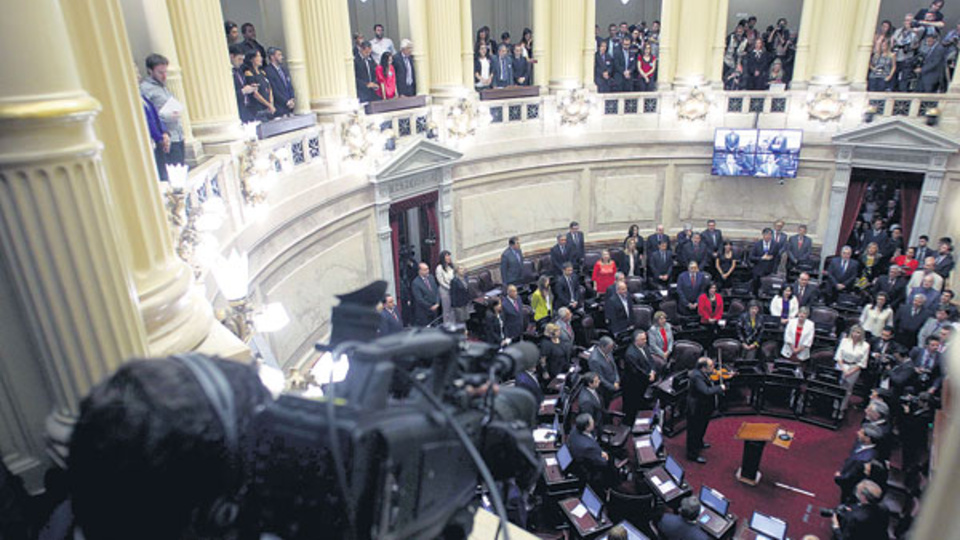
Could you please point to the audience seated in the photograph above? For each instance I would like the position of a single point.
(682, 526)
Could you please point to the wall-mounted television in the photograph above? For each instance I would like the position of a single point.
(763, 153)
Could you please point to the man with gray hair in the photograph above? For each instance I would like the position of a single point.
(567, 336)
(929, 269)
(842, 273)
(405, 69)
(602, 363)
(909, 319)
(866, 519)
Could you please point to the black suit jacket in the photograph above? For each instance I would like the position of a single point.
(689, 292)
(529, 382)
(908, 324)
(944, 265)
(879, 237)
(653, 242)
(863, 522)
(896, 290)
(618, 319)
(836, 275)
(674, 527)
(624, 63)
(282, 86)
(502, 75)
(400, 68)
(390, 324)
(659, 264)
(511, 267)
(493, 329)
(521, 68)
(701, 397)
(575, 243)
(713, 242)
(699, 253)
(852, 470)
(753, 63)
(760, 266)
(637, 365)
(797, 253)
(423, 298)
(602, 64)
(512, 318)
(811, 294)
(365, 71)
(590, 404)
(564, 293)
(935, 378)
(623, 264)
(242, 101)
(558, 257)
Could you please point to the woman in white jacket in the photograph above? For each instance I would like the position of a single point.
(852, 355)
(785, 305)
(798, 337)
(444, 275)
(876, 316)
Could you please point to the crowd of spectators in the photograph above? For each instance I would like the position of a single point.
(626, 58)
(919, 56)
(503, 64)
(755, 60)
(380, 71)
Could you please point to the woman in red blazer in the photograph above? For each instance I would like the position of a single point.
(710, 307)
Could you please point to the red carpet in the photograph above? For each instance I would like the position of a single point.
(809, 464)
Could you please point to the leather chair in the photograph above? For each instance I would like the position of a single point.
(486, 281)
(770, 350)
(822, 358)
(825, 319)
(545, 265)
(733, 310)
(731, 349)
(770, 286)
(529, 272)
(685, 355)
(590, 258)
(642, 317)
(634, 284)
(669, 307)
(634, 508)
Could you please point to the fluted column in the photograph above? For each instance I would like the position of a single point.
(417, 10)
(326, 29)
(541, 41)
(589, 44)
(862, 47)
(669, 31)
(175, 313)
(566, 55)
(466, 43)
(160, 35)
(831, 50)
(715, 60)
(295, 54)
(58, 234)
(811, 11)
(695, 35)
(207, 78)
(445, 56)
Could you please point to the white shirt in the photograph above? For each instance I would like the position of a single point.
(380, 46)
(484, 70)
(444, 277)
(790, 336)
(850, 354)
(916, 280)
(873, 320)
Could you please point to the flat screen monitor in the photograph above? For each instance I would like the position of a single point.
(656, 439)
(778, 153)
(714, 500)
(768, 526)
(564, 459)
(592, 502)
(734, 152)
(674, 470)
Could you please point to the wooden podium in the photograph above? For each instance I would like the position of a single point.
(754, 437)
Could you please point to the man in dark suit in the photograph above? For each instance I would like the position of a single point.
(365, 74)
(589, 401)
(241, 89)
(521, 68)
(928, 363)
(682, 526)
(250, 42)
(588, 458)
(560, 255)
(511, 263)
(513, 315)
(865, 520)
(756, 66)
(944, 258)
(764, 257)
(528, 381)
(894, 285)
(390, 320)
(805, 292)
(842, 273)
(799, 248)
(909, 319)
(695, 251)
(712, 237)
(575, 241)
(639, 371)
(885, 351)
(690, 285)
(493, 325)
(655, 239)
(701, 401)
(779, 237)
(281, 83)
(923, 250)
(624, 66)
(852, 472)
(426, 302)
(933, 71)
(602, 363)
(406, 70)
(659, 266)
(566, 288)
(613, 41)
(618, 309)
(876, 235)
(502, 68)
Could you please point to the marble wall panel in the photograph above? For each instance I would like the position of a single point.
(625, 196)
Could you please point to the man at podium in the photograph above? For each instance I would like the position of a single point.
(701, 401)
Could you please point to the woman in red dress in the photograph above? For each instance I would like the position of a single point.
(710, 308)
(604, 272)
(907, 261)
(386, 77)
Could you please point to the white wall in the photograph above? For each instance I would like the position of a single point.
(363, 15)
(503, 16)
(766, 11)
(635, 11)
(264, 14)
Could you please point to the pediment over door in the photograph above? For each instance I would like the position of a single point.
(896, 139)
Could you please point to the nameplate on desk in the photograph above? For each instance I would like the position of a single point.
(579, 511)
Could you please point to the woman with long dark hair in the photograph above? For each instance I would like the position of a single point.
(444, 275)
(527, 42)
(261, 106)
(386, 77)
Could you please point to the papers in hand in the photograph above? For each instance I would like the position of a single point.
(579, 511)
(542, 435)
(172, 109)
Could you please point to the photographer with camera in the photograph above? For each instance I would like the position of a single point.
(865, 520)
(918, 412)
(906, 41)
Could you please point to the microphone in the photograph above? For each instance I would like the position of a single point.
(516, 358)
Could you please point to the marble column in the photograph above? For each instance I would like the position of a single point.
(810, 13)
(714, 70)
(838, 199)
(862, 47)
(929, 198)
(695, 35)
(466, 43)
(669, 31)
(160, 35)
(295, 54)
(589, 44)
(541, 42)
(59, 238)
(446, 48)
(207, 75)
(421, 44)
(831, 51)
(326, 29)
(175, 313)
(566, 54)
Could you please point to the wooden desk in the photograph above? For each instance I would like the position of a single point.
(754, 436)
(396, 104)
(585, 525)
(510, 92)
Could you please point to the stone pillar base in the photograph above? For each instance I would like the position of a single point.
(334, 106)
(193, 152)
(450, 93)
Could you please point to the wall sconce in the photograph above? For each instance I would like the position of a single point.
(176, 196)
(869, 114)
(432, 131)
(358, 137)
(389, 140)
(933, 116)
(463, 119)
(695, 106)
(574, 106)
(826, 105)
(232, 275)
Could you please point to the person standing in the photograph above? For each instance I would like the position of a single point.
(280, 81)
(405, 69)
(502, 68)
(386, 77)
(154, 89)
(798, 337)
(365, 74)
(250, 42)
(701, 402)
(425, 296)
(852, 356)
(521, 68)
(380, 44)
(390, 320)
(511, 263)
(261, 105)
(159, 137)
(604, 272)
(241, 89)
(460, 295)
(639, 371)
(603, 69)
(445, 275)
(576, 242)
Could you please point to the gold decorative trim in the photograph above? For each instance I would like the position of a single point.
(54, 108)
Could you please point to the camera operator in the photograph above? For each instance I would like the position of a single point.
(865, 520)
(915, 423)
(852, 470)
(906, 40)
(927, 363)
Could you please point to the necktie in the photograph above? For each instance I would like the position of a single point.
(800, 242)
(283, 77)
(570, 286)
(406, 62)
(394, 314)
(562, 250)
(663, 334)
(843, 267)
(801, 292)
(623, 299)
(519, 258)
(503, 70)
(515, 305)
(693, 280)
(369, 74)
(766, 248)
(427, 281)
